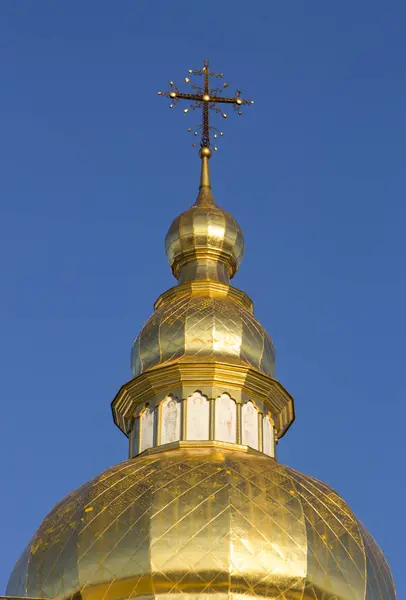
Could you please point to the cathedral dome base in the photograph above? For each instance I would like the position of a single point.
(201, 522)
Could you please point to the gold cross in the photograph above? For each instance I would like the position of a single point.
(206, 99)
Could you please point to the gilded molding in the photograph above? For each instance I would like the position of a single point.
(212, 289)
(211, 379)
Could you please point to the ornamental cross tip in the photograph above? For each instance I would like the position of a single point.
(206, 99)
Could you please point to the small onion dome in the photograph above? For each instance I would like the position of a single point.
(205, 241)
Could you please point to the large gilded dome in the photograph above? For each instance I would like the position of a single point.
(205, 523)
(203, 320)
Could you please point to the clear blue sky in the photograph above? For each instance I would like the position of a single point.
(94, 167)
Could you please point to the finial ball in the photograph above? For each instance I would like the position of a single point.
(205, 151)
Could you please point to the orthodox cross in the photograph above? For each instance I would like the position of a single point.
(206, 99)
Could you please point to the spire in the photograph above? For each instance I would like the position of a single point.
(205, 197)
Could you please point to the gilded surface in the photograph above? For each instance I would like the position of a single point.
(193, 323)
(205, 246)
(202, 522)
(204, 242)
(208, 233)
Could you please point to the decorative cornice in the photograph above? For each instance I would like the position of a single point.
(210, 378)
(186, 444)
(207, 288)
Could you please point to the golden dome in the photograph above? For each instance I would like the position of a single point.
(206, 522)
(205, 241)
(203, 317)
(203, 320)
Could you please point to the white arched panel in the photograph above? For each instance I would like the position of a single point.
(250, 425)
(170, 420)
(197, 422)
(147, 426)
(268, 436)
(225, 419)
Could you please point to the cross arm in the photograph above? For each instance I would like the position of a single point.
(235, 100)
(180, 95)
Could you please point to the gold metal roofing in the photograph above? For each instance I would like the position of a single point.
(209, 523)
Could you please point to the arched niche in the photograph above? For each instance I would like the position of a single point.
(170, 420)
(249, 425)
(225, 419)
(197, 417)
(146, 428)
(268, 436)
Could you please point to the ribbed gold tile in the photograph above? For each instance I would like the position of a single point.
(199, 522)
